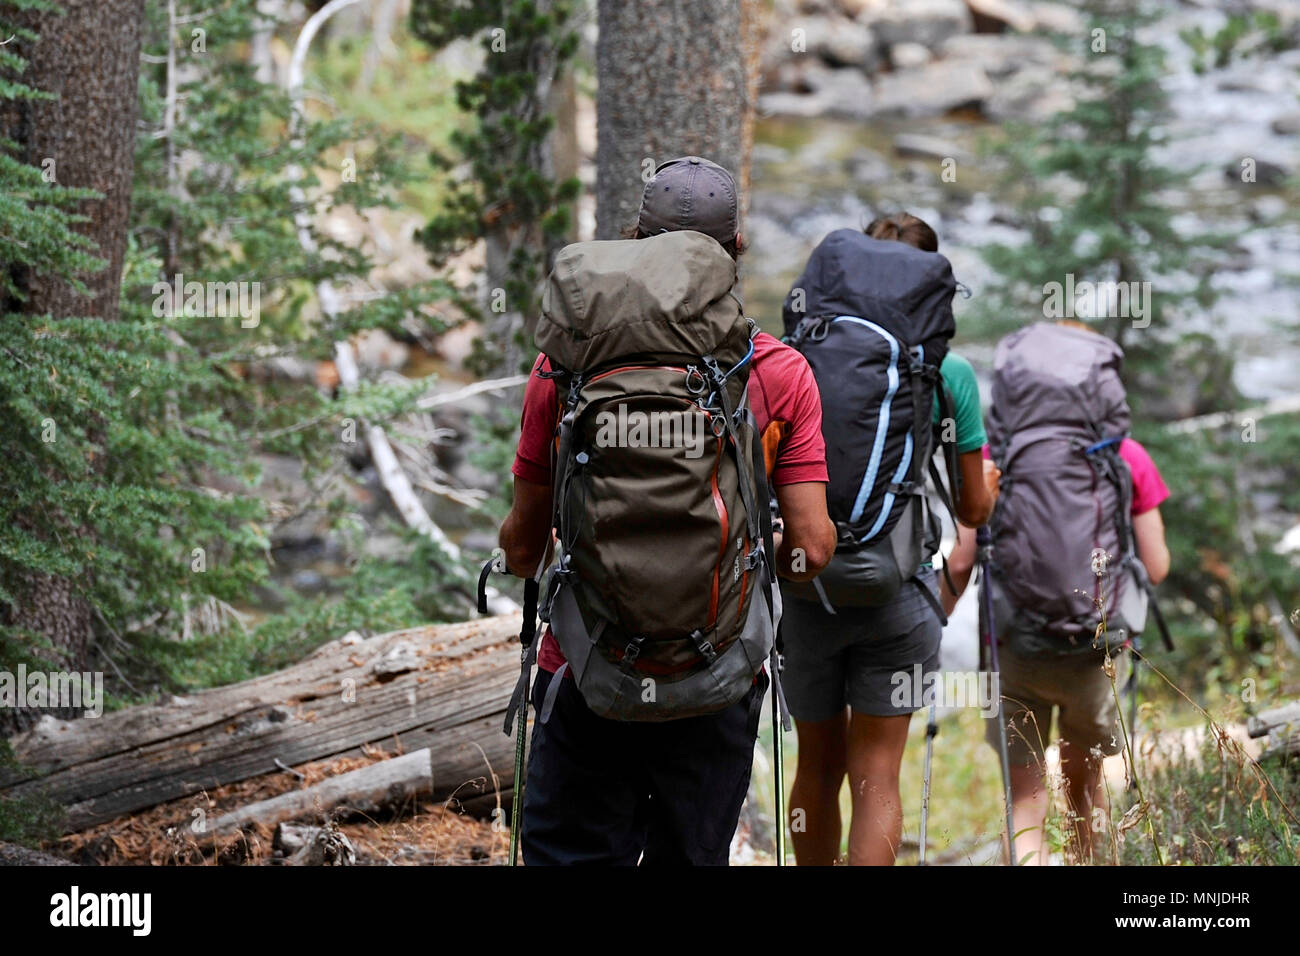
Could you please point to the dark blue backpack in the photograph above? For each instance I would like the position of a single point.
(873, 318)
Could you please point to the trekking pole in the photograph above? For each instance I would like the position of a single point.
(931, 730)
(1131, 691)
(526, 633)
(519, 699)
(984, 544)
(778, 755)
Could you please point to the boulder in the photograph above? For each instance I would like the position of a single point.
(908, 56)
(916, 146)
(1030, 95)
(790, 105)
(863, 10)
(840, 41)
(928, 22)
(1057, 18)
(1288, 124)
(933, 89)
(867, 167)
(1004, 53)
(844, 93)
(1266, 173)
(994, 16)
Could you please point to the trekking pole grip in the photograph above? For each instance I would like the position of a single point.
(529, 627)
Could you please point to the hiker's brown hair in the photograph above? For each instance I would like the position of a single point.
(904, 227)
(734, 249)
(1076, 324)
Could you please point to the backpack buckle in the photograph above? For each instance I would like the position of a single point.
(696, 383)
(705, 648)
(632, 651)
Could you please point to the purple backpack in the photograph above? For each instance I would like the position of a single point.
(1063, 554)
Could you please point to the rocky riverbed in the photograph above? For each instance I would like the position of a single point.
(865, 100)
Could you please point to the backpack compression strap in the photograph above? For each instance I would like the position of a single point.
(754, 482)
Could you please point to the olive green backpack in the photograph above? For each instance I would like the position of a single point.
(662, 596)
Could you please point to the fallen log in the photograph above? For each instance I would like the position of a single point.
(368, 790)
(1281, 726)
(441, 687)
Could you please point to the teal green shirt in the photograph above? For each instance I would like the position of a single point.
(960, 379)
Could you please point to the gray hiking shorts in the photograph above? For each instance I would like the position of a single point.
(849, 659)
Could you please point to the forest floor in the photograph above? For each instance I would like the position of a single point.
(171, 833)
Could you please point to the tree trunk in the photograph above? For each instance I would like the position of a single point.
(672, 80)
(90, 58)
(510, 324)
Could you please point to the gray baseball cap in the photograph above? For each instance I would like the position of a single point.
(690, 193)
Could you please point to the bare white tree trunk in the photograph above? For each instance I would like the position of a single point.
(392, 476)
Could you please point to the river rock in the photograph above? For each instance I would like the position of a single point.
(863, 10)
(1057, 18)
(1030, 95)
(1001, 54)
(991, 16)
(867, 167)
(308, 581)
(840, 41)
(933, 89)
(1288, 124)
(1267, 173)
(928, 22)
(846, 93)
(1267, 209)
(794, 105)
(916, 146)
(907, 56)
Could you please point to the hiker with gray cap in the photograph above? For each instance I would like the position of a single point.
(661, 605)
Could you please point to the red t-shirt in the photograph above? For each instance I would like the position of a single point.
(787, 409)
(1149, 489)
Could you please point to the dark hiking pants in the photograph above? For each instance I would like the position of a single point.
(617, 792)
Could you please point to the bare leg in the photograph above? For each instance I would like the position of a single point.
(875, 753)
(815, 825)
(1029, 799)
(1082, 773)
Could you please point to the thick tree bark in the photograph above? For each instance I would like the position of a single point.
(90, 58)
(672, 80)
(511, 329)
